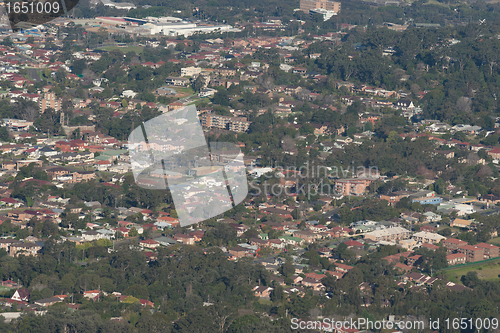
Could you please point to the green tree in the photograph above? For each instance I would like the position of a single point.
(133, 232)
(287, 269)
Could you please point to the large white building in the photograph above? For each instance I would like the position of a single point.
(428, 237)
(183, 28)
(389, 234)
(190, 71)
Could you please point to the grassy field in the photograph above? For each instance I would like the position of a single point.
(6, 292)
(183, 92)
(434, 2)
(265, 301)
(486, 271)
(186, 91)
(136, 49)
(495, 241)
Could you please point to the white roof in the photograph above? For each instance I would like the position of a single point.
(429, 235)
(387, 232)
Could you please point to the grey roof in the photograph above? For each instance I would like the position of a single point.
(48, 300)
(165, 240)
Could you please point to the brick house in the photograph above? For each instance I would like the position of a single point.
(149, 243)
(307, 236)
(80, 176)
(429, 246)
(342, 267)
(27, 249)
(262, 292)
(494, 153)
(18, 216)
(282, 213)
(123, 230)
(315, 276)
(185, 239)
(276, 244)
(64, 146)
(314, 284)
(57, 171)
(239, 252)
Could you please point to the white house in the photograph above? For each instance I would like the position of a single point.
(129, 94)
(190, 71)
(206, 92)
(432, 217)
(91, 235)
(108, 234)
(163, 225)
(257, 172)
(464, 209)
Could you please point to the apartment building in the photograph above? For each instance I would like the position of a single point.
(306, 5)
(490, 250)
(177, 81)
(235, 124)
(224, 72)
(472, 253)
(456, 259)
(190, 71)
(452, 244)
(80, 176)
(428, 237)
(394, 197)
(389, 234)
(351, 186)
(49, 100)
(27, 249)
(23, 163)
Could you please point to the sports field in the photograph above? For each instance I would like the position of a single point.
(136, 49)
(486, 270)
(495, 241)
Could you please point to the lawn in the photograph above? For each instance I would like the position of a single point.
(136, 49)
(495, 241)
(6, 292)
(187, 91)
(486, 271)
(265, 301)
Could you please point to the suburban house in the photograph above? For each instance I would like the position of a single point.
(21, 295)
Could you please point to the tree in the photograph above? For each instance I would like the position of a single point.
(7, 41)
(4, 134)
(470, 279)
(199, 83)
(79, 66)
(76, 134)
(287, 269)
(277, 294)
(446, 232)
(133, 232)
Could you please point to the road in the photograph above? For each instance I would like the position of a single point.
(33, 73)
